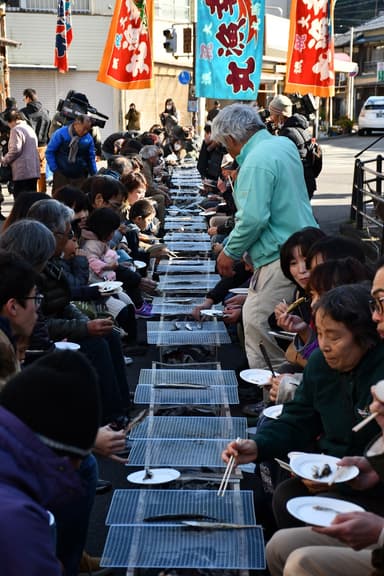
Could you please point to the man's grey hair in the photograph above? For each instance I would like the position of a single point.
(31, 240)
(55, 215)
(237, 120)
(149, 151)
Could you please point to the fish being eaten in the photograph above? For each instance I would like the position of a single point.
(321, 472)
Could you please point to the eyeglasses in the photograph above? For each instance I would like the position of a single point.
(376, 305)
(38, 298)
(69, 235)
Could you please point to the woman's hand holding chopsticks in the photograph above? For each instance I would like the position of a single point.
(243, 451)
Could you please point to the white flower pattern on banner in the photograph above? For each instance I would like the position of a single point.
(137, 64)
(298, 67)
(318, 33)
(316, 5)
(322, 66)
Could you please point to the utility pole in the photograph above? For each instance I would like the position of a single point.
(350, 80)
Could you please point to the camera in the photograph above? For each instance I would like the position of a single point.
(305, 105)
(77, 104)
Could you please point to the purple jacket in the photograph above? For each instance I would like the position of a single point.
(33, 479)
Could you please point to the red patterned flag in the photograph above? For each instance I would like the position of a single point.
(63, 34)
(127, 59)
(310, 66)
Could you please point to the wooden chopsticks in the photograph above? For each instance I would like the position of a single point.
(227, 474)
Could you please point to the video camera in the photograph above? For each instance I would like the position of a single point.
(305, 105)
(77, 104)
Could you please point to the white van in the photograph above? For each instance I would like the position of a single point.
(371, 116)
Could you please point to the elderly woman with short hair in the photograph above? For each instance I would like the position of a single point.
(96, 337)
(333, 396)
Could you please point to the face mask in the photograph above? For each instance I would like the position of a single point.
(177, 147)
(169, 107)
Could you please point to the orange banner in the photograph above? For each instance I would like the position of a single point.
(127, 60)
(310, 62)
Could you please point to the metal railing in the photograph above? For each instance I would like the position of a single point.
(367, 206)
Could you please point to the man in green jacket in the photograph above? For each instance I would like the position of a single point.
(272, 202)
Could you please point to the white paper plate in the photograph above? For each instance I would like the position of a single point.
(139, 264)
(302, 466)
(107, 286)
(256, 376)
(304, 508)
(67, 346)
(212, 313)
(273, 411)
(159, 476)
(239, 291)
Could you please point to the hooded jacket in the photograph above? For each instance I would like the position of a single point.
(33, 480)
(296, 128)
(38, 118)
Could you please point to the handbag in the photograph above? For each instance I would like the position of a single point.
(5, 174)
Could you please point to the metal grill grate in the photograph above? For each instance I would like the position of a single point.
(186, 236)
(164, 546)
(175, 305)
(189, 246)
(213, 396)
(190, 427)
(182, 225)
(169, 309)
(133, 506)
(179, 265)
(178, 453)
(188, 282)
(165, 333)
(189, 219)
(193, 376)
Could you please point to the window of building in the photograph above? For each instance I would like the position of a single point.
(173, 10)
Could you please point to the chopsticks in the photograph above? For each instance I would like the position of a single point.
(364, 422)
(379, 392)
(336, 476)
(227, 474)
(267, 358)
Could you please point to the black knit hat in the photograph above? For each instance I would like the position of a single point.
(58, 398)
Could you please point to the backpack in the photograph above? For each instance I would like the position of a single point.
(314, 156)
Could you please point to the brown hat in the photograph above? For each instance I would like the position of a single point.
(281, 105)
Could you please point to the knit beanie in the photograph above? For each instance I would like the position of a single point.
(281, 105)
(58, 398)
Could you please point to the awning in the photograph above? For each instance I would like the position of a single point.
(343, 63)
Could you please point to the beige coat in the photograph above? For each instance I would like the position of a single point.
(22, 155)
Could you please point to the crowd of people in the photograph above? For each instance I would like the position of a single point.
(76, 266)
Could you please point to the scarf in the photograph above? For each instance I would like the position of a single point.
(73, 145)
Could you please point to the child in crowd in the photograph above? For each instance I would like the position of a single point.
(119, 306)
(142, 245)
(103, 261)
